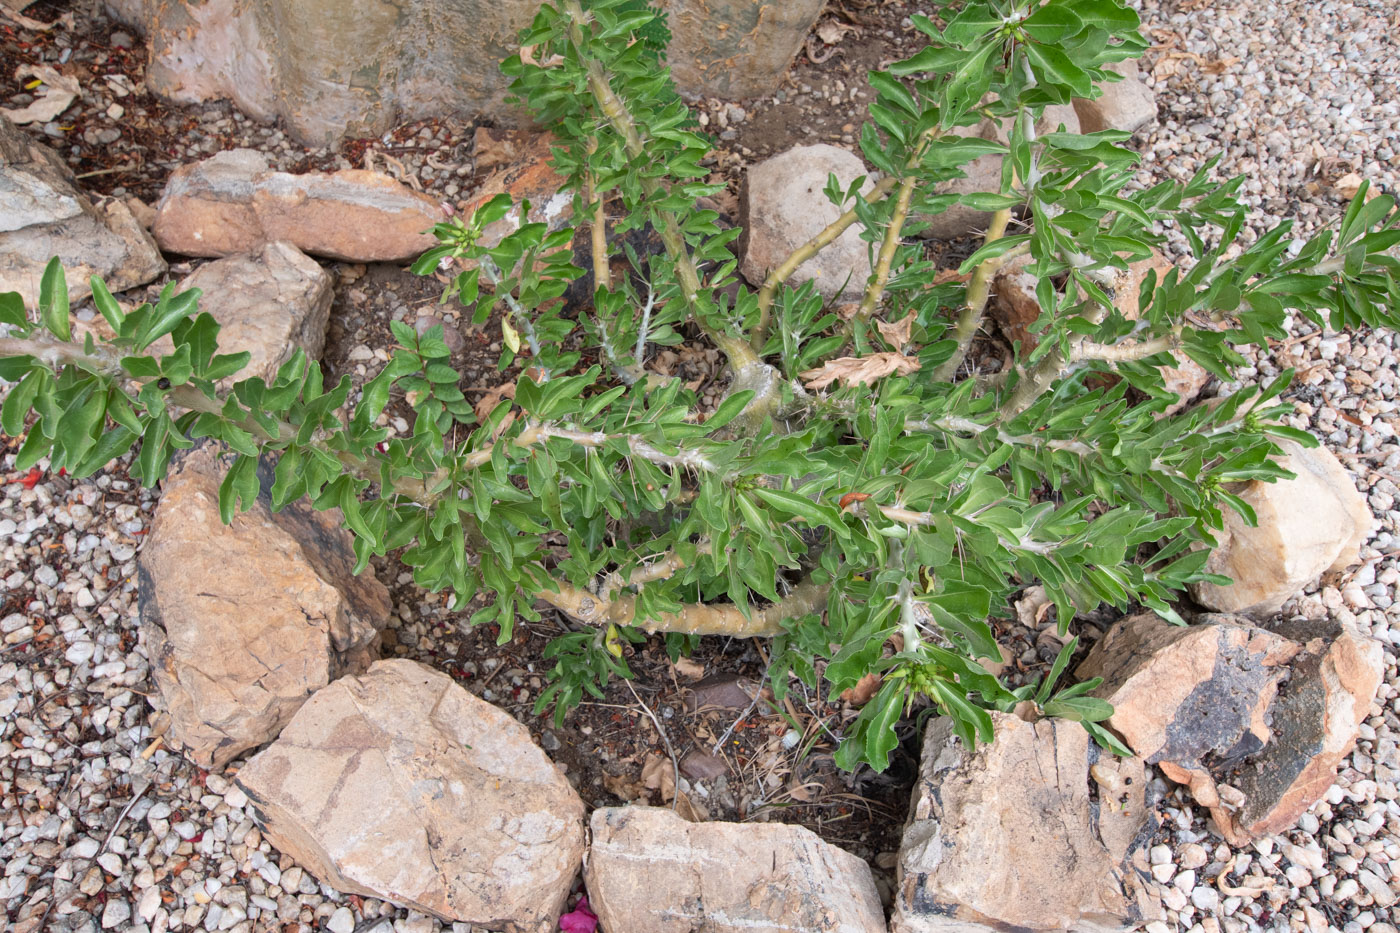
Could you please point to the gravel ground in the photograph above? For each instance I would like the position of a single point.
(103, 829)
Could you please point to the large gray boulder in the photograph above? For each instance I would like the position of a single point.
(326, 74)
(43, 214)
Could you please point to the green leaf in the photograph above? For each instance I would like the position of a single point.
(21, 399)
(12, 310)
(239, 488)
(53, 301)
(106, 304)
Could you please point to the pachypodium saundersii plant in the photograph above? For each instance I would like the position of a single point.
(862, 495)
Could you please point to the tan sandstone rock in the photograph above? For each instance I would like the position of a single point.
(399, 784)
(232, 203)
(1307, 525)
(1185, 695)
(1126, 105)
(782, 207)
(1008, 836)
(243, 622)
(325, 74)
(43, 214)
(1316, 721)
(650, 871)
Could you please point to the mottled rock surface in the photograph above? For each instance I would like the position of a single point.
(1316, 719)
(1007, 836)
(43, 214)
(649, 871)
(1185, 695)
(525, 174)
(232, 203)
(399, 784)
(1307, 525)
(243, 622)
(326, 75)
(782, 207)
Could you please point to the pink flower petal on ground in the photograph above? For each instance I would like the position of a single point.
(580, 919)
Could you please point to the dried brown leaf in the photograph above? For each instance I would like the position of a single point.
(659, 774)
(689, 810)
(854, 370)
(52, 97)
(493, 397)
(864, 689)
(897, 334)
(689, 669)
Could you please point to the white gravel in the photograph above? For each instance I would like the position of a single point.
(1297, 94)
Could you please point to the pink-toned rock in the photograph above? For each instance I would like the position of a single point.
(1009, 837)
(650, 871)
(1316, 720)
(1186, 695)
(399, 784)
(1306, 526)
(1126, 105)
(243, 622)
(232, 203)
(522, 170)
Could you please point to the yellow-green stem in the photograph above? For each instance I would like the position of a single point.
(979, 289)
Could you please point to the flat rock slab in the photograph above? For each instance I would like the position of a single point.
(233, 203)
(1009, 837)
(43, 214)
(243, 622)
(1307, 525)
(649, 871)
(399, 784)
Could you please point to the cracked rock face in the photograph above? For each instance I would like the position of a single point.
(650, 871)
(1036, 830)
(42, 214)
(399, 784)
(232, 203)
(243, 622)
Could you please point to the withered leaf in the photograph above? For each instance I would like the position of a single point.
(854, 370)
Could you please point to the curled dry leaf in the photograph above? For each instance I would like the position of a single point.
(690, 810)
(493, 397)
(659, 774)
(897, 334)
(865, 688)
(854, 370)
(1032, 607)
(689, 669)
(52, 96)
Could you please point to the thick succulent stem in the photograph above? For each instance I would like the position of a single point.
(692, 619)
(979, 289)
